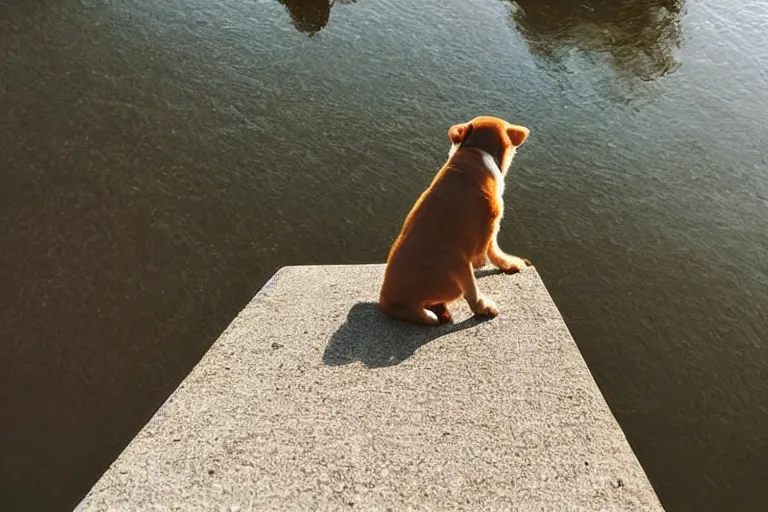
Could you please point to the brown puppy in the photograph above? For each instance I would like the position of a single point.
(453, 227)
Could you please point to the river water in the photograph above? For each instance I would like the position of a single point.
(160, 160)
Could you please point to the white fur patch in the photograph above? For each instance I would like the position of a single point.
(490, 164)
(431, 314)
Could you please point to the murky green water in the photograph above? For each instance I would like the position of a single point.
(159, 160)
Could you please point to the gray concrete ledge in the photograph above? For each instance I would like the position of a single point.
(313, 400)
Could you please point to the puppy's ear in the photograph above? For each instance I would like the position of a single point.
(458, 133)
(517, 134)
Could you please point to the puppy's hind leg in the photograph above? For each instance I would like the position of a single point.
(413, 314)
(441, 310)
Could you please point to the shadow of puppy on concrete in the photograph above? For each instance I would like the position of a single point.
(376, 340)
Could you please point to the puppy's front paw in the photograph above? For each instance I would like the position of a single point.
(485, 307)
(513, 264)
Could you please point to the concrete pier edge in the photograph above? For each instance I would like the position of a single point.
(312, 399)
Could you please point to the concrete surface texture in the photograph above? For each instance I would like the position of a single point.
(313, 400)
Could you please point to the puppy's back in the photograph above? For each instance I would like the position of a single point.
(445, 229)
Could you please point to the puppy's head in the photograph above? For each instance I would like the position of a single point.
(495, 136)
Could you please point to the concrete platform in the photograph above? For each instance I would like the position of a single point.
(313, 400)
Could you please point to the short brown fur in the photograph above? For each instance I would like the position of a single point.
(453, 228)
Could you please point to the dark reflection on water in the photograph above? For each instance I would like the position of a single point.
(160, 160)
(308, 16)
(639, 38)
(311, 16)
(636, 40)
